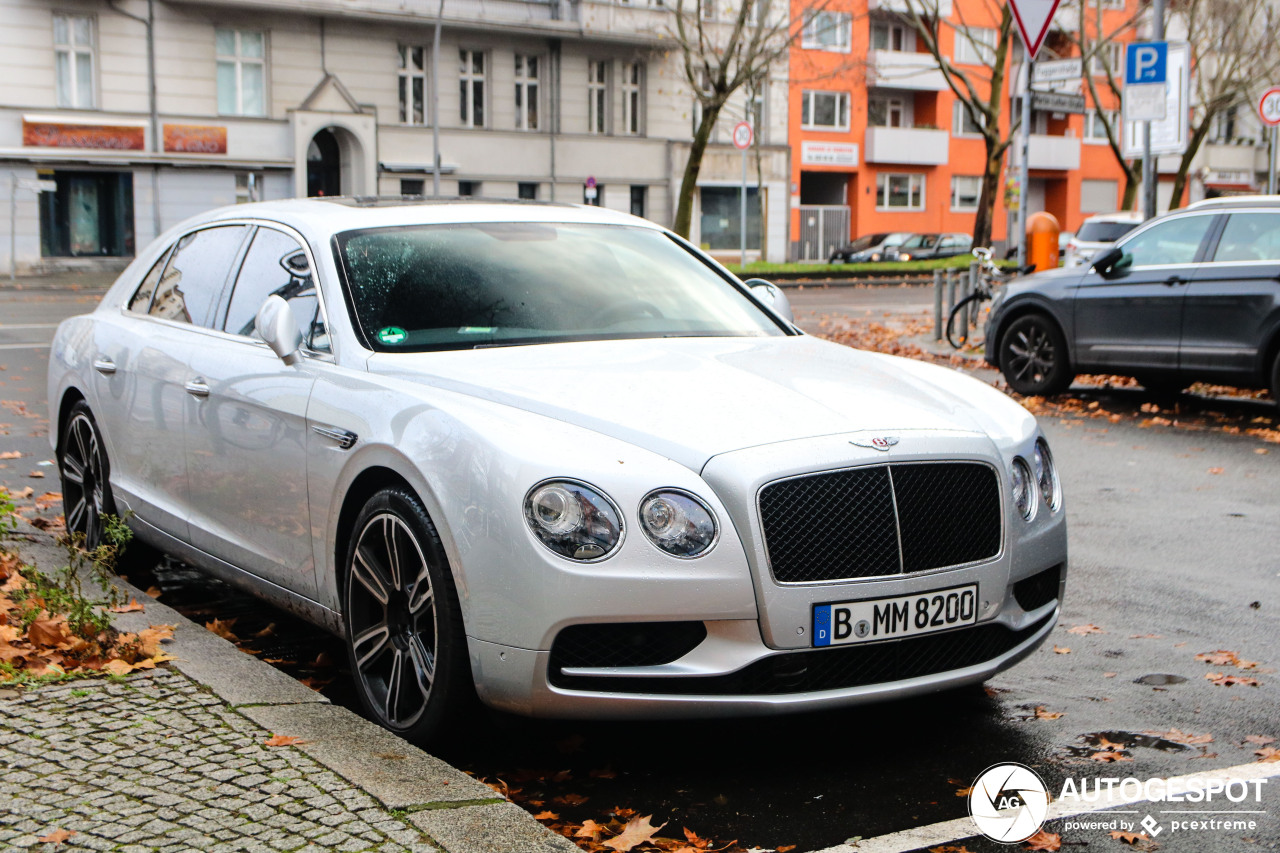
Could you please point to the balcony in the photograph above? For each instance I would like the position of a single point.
(901, 7)
(1054, 153)
(912, 146)
(1232, 157)
(895, 69)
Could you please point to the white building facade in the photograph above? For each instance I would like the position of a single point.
(120, 119)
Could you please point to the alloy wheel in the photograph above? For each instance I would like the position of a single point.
(1032, 353)
(83, 479)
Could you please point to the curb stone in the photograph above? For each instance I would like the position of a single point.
(459, 813)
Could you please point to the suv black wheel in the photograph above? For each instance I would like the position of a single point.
(1033, 356)
(404, 632)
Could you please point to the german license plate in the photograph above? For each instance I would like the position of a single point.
(848, 622)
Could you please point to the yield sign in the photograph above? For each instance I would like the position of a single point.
(1033, 17)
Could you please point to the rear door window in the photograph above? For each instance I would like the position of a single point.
(193, 280)
(1250, 237)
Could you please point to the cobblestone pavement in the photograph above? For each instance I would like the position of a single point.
(155, 763)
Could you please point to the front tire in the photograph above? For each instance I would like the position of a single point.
(405, 640)
(85, 473)
(1033, 357)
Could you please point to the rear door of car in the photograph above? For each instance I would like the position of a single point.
(1234, 300)
(247, 425)
(1131, 320)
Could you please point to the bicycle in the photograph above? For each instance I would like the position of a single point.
(990, 277)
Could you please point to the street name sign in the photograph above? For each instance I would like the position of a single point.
(1033, 18)
(1058, 69)
(1057, 102)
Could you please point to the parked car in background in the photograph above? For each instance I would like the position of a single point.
(869, 248)
(1191, 296)
(922, 247)
(556, 457)
(1097, 234)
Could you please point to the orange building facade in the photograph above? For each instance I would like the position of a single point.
(881, 144)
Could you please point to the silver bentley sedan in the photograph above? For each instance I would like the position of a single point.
(556, 458)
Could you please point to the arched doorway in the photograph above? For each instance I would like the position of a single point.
(324, 165)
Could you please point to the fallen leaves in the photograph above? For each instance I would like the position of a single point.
(1061, 650)
(283, 740)
(1267, 754)
(1085, 629)
(1260, 740)
(1042, 840)
(10, 454)
(132, 607)
(637, 831)
(1223, 657)
(1042, 713)
(1223, 680)
(1137, 839)
(57, 838)
(1178, 736)
(222, 627)
(1109, 757)
(1215, 471)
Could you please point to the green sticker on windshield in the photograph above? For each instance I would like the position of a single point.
(392, 335)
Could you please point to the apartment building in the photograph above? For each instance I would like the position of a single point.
(576, 101)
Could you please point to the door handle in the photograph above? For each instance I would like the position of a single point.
(104, 365)
(197, 388)
(1174, 281)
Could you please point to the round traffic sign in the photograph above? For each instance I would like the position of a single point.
(1269, 106)
(742, 134)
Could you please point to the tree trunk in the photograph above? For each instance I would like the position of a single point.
(982, 222)
(1184, 166)
(1130, 189)
(689, 185)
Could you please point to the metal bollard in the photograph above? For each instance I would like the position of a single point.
(937, 305)
(971, 310)
(951, 291)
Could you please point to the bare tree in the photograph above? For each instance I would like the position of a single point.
(980, 90)
(1095, 44)
(721, 57)
(1234, 54)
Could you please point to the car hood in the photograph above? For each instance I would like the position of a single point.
(693, 398)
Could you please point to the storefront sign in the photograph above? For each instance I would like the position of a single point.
(195, 139)
(829, 153)
(46, 134)
(1229, 178)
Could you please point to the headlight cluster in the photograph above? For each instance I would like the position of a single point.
(1040, 476)
(576, 521)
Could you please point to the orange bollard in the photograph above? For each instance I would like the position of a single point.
(1042, 241)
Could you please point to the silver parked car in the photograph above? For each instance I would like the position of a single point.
(556, 457)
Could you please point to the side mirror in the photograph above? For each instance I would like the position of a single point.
(1109, 262)
(296, 264)
(771, 295)
(277, 325)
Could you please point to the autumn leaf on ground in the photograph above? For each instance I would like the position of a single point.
(1260, 740)
(222, 627)
(1104, 743)
(1086, 629)
(57, 837)
(1042, 713)
(117, 667)
(12, 454)
(637, 831)
(267, 631)
(546, 816)
(49, 632)
(785, 848)
(698, 842)
(1109, 756)
(590, 829)
(1137, 839)
(570, 799)
(23, 494)
(1179, 736)
(1110, 674)
(132, 607)
(155, 592)
(1267, 754)
(36, 475)
(1061, 650)
(283, 740)
(1223, 680)
(1224, 657)
(1044, 841)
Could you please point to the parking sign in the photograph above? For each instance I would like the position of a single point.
(1146, 62)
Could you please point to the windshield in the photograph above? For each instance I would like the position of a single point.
(920, 241)
(432, 287)
(867, 241)
(1104, 232)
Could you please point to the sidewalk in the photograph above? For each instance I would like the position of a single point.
(84, 281)
(176, 760)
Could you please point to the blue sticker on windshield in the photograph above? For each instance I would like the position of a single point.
(392, 335)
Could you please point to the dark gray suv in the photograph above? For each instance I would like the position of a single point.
(1191, 296)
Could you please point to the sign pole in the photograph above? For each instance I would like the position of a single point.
(1024, 168)
(13, 225)
(1269, 112)
(742, 236)
(1150, 177)
(1271, 172)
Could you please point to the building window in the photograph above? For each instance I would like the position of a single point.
(899, 192)
(527, 68)
(1222, 127)
(962, 124)
(831, 31)
(891, 35)
(824, 110)
(720, 223)
(639, 195)
(248, 187)
(632, 98)
(1109, 59)
(467, 189)
(597, 96)
(887, 112)
(527, 190)
(471, 85)
(1099, 196)
(73, 58)
(975, 45)
(413, 186)
(1094, 130)
(964, 192)
(90, 214)
(413, 85)
(242, 72)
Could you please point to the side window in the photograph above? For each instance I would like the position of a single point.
(141, 301)
(192, 282)
(1250, 237)
(1173, 242)
(276, 265)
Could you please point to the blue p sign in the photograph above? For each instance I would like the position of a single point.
(1146, 62)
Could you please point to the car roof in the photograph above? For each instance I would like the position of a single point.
(335, 214)
(1243, 201)
(1118, 216)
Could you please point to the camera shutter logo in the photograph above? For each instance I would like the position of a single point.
(1009, 803)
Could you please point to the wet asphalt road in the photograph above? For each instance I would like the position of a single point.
(1169, 557)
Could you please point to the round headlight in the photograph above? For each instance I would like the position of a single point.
(1022, 494)
(677, 523)
(1047, 475)
(573, 519)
